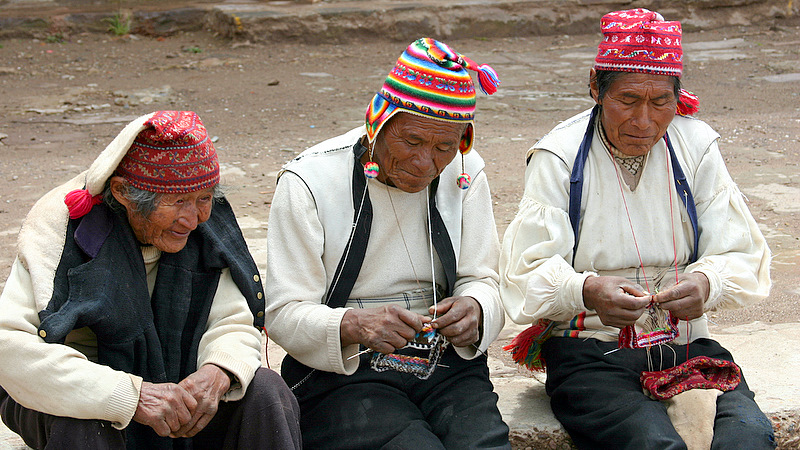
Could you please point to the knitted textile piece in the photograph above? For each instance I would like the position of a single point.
(173, 154)
(639, 40)
(422, 368)
(659, 327)
(699, 372)
(430, 79)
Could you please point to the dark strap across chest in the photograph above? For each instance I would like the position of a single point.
(353, 256)
(576, 185)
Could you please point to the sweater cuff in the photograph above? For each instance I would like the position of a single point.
(714, 289)
(243, 371)
(338, 356)
(571, 291)
(124, 400)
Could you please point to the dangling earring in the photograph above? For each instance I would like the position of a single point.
(371, 168)
(463, 181)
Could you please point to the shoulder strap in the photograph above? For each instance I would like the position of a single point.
(576, 186)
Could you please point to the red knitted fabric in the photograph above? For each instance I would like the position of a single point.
(639, 40)
(699, 372)
(172, 155)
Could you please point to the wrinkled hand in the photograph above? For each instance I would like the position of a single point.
(384, 329)
(206, 386)
(687, 298)
(617, 301)
(459, 320)
(164, 407)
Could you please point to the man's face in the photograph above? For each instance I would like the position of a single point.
(412, 150)
(168, 227)
(637, 109)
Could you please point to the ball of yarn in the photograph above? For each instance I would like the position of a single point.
(371, 169)
(463, 181)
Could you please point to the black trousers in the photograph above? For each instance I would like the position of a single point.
(267, 417)
(598, 398)
(456, 408)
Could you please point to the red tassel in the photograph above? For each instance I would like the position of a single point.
(526, 348)
(487, 79)
(79, 202)
(688, 103)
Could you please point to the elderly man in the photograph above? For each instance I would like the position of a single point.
(131, 316)
(630, 221)
(382, 251)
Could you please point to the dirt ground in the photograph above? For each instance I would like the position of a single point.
(62, 102)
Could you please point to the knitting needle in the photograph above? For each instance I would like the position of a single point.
(359, 353)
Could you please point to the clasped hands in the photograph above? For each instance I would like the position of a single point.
(388, 328)
(185, 408)
(620, 302)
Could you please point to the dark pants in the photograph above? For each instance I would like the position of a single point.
(455, 408)
(267, 417)
(598, 398)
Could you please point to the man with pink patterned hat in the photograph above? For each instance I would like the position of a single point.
(629, 231)
(132, 314)
(382, 269)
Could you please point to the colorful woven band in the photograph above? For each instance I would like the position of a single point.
(173, 154)
(639, 40)
(430, 79)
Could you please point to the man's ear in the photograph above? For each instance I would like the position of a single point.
(118, 188)
(593, 90)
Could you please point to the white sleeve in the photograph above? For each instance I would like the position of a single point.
(230, 340)
(536, 279)
(54, 378)
(477, 265)
(296, 318)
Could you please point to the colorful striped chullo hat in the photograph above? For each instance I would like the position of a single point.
(430, 79)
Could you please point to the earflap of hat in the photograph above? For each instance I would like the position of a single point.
(467, 139)
(104, 165)
(379, 111)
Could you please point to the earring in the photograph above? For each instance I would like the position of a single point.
(463, 181)
(371, 169)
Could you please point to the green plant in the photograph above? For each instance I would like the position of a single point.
(194, 49)
(55, 38)
(119, 24)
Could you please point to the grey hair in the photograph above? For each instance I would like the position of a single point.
(144, 202)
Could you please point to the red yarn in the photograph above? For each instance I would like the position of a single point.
(688, 103)
(80, 202)
(487, 79)
(526, 348)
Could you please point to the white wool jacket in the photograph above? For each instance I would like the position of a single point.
(310, 221)
(539, 279)
(64, 379)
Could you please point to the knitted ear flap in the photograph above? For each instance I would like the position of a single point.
(465, 145)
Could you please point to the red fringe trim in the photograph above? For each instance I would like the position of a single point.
(526, 347)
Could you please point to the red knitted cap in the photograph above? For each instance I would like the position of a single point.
(173, 154)
(640, 40)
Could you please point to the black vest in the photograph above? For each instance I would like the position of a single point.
(101, 283)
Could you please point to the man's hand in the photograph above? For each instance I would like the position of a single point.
(617, 301)
(384, 329)
(206, 386)
(164, 407)
(458, 319)
(685, 299)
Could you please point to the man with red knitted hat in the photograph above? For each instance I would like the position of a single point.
(630, 229)
(382, 269)
(132, 315)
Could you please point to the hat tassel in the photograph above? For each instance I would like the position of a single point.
(688, 103)
(79, 202)
(488, 80)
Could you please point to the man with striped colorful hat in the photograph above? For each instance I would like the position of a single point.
(382, 269)
(630, 230)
